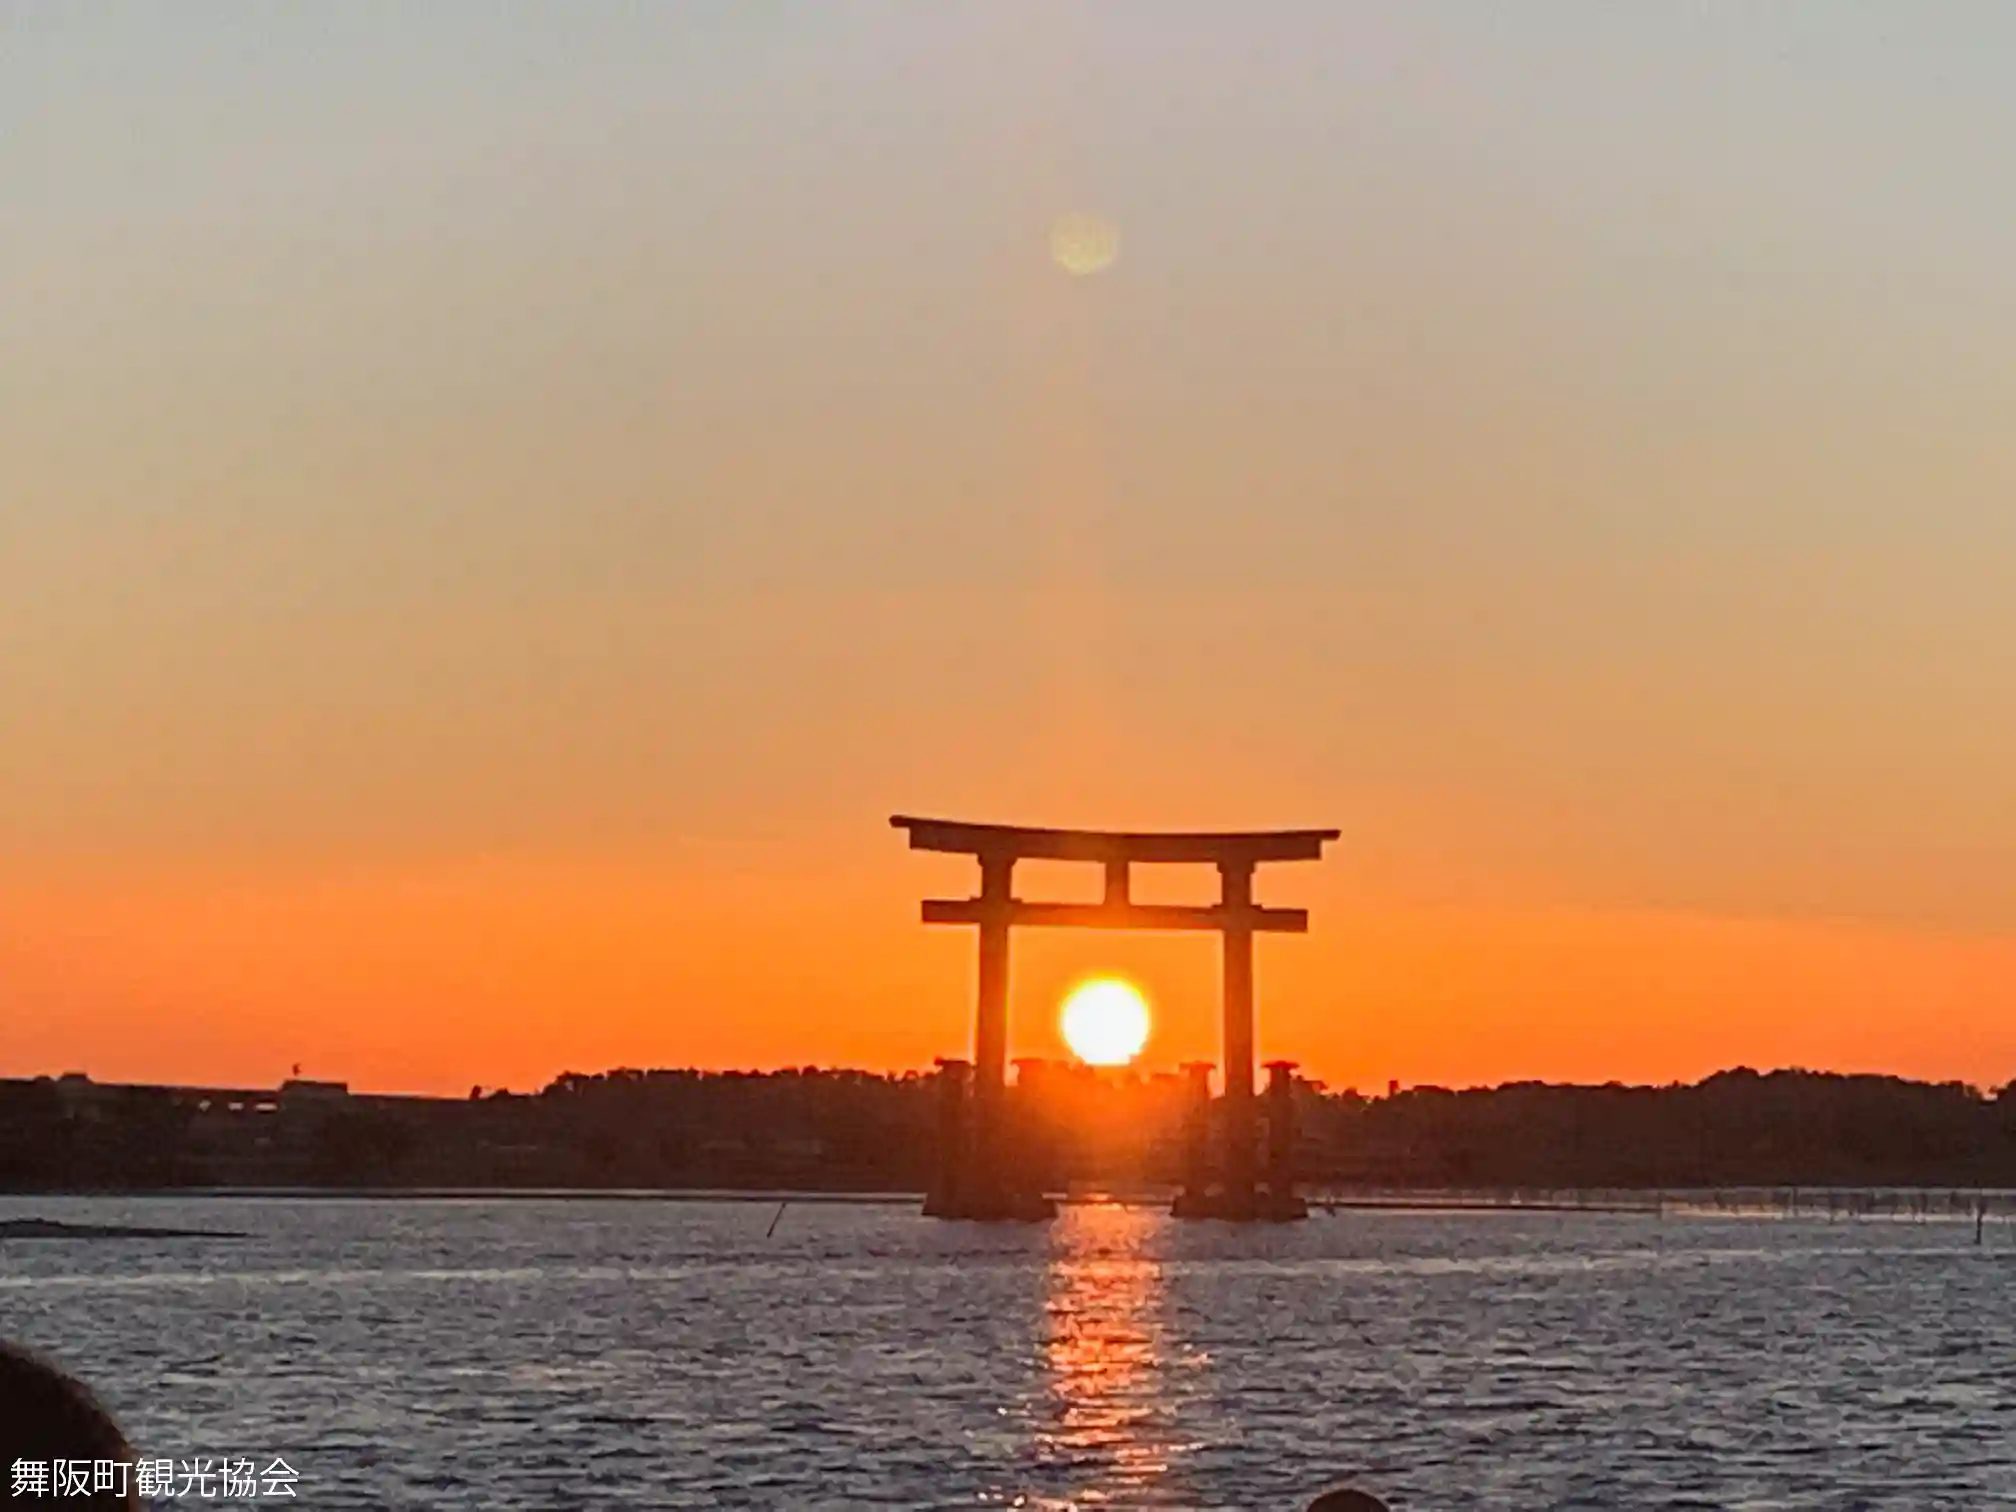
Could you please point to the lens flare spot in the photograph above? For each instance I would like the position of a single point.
(1083, 244)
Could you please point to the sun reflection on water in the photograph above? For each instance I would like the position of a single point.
(1111, 1425)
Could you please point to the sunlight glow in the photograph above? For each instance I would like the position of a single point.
(1105, 1022)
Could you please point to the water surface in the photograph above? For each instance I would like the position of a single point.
(491, 1353)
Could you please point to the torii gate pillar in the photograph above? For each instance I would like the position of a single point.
(980, 1182)
(990, 1030)
(1237, 902)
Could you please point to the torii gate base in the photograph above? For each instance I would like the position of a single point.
(969, 1184)
(1277, 1202)
(978, 1177)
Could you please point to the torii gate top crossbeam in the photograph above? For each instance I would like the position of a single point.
(1012, 842)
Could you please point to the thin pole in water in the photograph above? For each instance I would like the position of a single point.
(777, 1219)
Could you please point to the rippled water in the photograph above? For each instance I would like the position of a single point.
(540, 1354)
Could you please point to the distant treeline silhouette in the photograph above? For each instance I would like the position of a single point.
(1737, 1128)
(839, 1130)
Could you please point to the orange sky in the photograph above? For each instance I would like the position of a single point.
(496, 511)
(505, 971)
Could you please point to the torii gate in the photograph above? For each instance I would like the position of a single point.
(984, 1190)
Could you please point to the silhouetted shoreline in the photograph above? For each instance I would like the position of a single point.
(51, 1228)
(806, 1134)
(755, 1196)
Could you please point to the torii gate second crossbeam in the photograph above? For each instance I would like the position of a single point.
(986, 1190)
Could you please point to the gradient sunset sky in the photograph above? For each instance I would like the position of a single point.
(498, 504)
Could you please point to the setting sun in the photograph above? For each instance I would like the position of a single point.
(1105, 1022)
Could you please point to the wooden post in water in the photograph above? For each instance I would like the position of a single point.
(1282, 1201)
(947, 1194)
(1196, 1135)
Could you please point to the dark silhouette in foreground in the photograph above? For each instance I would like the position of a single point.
(52, 1426)
(1348, 1500)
